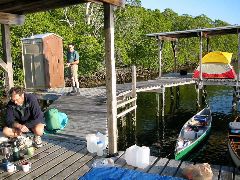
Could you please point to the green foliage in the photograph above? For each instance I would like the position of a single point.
(91, 54)
(132, 46)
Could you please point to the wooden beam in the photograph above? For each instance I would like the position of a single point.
(160, 47)
(127, 111)
(7, 55)
(205, 34)
(126, 102)
(7, 18)
(113, 2)
(174, 48)
(31, 6)
(110, 78)
(3, 65)
(165, 38)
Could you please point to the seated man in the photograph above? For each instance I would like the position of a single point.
(23, 115)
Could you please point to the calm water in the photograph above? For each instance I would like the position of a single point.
(160, 133)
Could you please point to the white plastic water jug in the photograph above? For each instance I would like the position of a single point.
(130, 155)
(137, 156)
(143, 154)
(96, 143)
(92, 140)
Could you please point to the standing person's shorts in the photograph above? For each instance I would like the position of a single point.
(74, 71)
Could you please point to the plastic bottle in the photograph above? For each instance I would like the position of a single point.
(103, 162)
(16, 154)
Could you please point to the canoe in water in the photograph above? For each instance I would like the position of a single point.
(193, 132)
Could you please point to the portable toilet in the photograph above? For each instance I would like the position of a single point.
(43, 63)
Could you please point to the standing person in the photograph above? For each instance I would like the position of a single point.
(23, 115)
(72, 63)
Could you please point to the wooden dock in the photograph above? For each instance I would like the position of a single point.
(64, 155)
(68, 158)
(169, 80)
(86, 115)
(87, 112)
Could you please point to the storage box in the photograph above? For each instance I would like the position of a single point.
(189, 135)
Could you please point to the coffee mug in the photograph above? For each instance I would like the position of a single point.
(30, 151)
(26, 166)
(11, 167)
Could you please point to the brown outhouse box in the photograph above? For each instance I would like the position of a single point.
(43, 64)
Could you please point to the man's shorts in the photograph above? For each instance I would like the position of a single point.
(74, 71)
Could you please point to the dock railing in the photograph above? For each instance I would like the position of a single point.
(128, 103)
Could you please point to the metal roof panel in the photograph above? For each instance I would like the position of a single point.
(195, 32)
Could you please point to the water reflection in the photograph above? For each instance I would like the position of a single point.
(160, 133)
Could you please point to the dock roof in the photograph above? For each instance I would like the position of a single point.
(31, 6)
(196, 32)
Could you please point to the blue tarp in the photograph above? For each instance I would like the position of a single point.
(200, 118)
(111, 173)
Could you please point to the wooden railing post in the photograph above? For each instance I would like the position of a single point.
(134, 92)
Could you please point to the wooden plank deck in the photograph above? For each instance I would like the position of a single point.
(86, 115)
(67, 158)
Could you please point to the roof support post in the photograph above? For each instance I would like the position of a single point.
(5, 29)
(160, 46)
(238, 76)
(208, 40)
(110, 78)
(200, 57)
(200, 82)
(174, 47)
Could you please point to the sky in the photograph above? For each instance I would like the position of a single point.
(225, 10)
